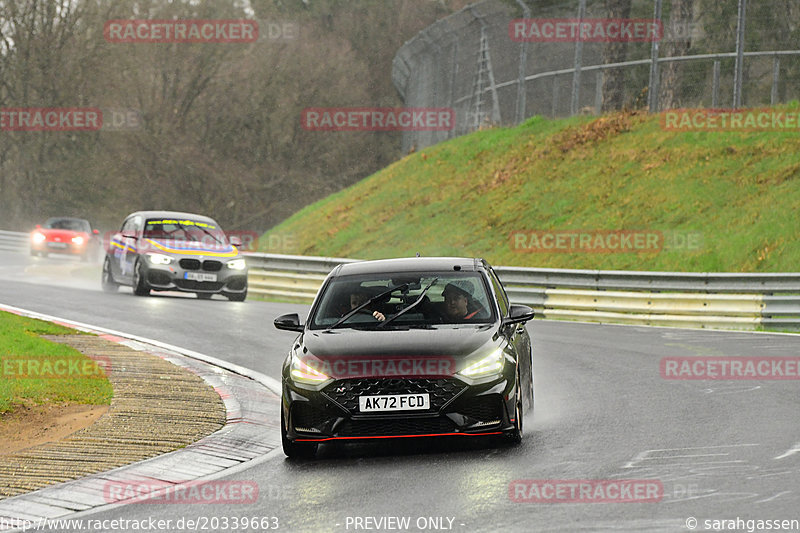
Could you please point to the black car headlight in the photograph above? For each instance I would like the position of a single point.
(304, 373)
(489, 365)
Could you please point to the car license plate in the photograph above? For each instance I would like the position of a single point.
(57, 244)
(394, 402)
(200, 276)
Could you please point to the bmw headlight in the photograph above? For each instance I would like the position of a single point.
(38, 237)
(159, 259)
(491, 364)
(237, 264)
(77, 239)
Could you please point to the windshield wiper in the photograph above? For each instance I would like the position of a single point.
(372, 300)
(210, 234)
(187, 234)
(413, 304)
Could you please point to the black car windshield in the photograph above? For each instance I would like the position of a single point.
(183, 230)
(71, 224)
(451, 298)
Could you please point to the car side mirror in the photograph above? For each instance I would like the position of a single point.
(290, 322)
(235, 240)
(96, 231)
(38, 226)
(518, 314)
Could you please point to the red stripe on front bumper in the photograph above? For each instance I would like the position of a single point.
(403, 436)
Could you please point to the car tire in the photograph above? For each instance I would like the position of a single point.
(238, 296)
(296, 450)
(107, 278)
(204, 295)
(140, 287)
(515, 435)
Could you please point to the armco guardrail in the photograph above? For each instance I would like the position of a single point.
(702, 300)
(13, 241)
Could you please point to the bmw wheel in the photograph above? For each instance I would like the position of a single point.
(140, 287)
(107, 280)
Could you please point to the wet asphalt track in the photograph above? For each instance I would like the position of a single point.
(722, 450)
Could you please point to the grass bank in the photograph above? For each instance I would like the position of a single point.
(721, 201)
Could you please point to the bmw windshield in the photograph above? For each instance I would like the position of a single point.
(184, 230)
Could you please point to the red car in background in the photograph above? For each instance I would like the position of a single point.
(65, 235)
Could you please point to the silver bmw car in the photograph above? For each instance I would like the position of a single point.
(168, 250)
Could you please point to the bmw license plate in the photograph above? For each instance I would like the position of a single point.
(394, 402)
(56, 245)
(200, 276)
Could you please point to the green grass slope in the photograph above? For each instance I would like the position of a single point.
(738, 191)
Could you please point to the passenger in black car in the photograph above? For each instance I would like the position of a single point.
(358, 296)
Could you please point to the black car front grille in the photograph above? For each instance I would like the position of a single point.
(209, 265)
(345, 392)
(395, 427)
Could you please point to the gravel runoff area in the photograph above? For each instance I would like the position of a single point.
(157, 407)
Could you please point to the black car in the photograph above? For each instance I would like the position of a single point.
(169, 251)
(416, 347)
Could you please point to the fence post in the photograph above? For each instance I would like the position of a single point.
(555, 95)
(715, 85)
(598, 92)
(523, 61)
(652, 94)
(776, 68)
(738, 71)
(576, 76)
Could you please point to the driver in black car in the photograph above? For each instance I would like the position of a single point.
(458, 302)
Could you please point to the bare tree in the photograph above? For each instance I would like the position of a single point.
(678, 41)
(615, 52)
